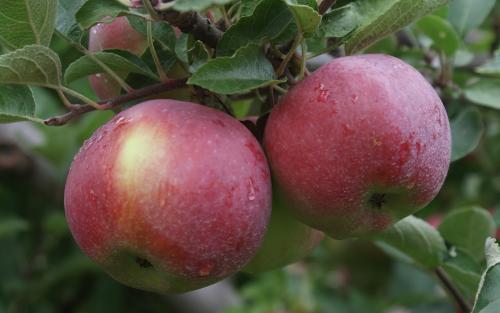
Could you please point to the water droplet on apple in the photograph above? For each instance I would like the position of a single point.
(323, 93)
(251, 190)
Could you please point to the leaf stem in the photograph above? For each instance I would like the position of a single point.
(225, 16)
(105, 68)
(290, 54)
(303, 58)
(452, 290)
(151, 11)
(325, 5)
(154, 53)
(78, 95)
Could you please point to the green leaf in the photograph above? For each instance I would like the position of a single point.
(464, 270)
(492, 307)
(489, 288)
(485, 92)
(66, 20)
(182, 46)
(268, 21)
(466, 132)
(162, 32)
(306, 18)
(246, 70)
(339, 22)
(27, 22)
(32, 65)
(416, 240)
(466, 15)
(16, 104)
(248, 6)
(492, 67)
(441, 32)
(12, 226)
(96, 11)
(468, 228)
(118, 61)
(380, 18)
(199, 56)
(197, 5)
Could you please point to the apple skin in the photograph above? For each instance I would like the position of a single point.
(169, 196)
(286, 241)
(118, 34)
(361, 143)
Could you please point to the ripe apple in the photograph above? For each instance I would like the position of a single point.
(169, 196)
(120, 35)
(286, 241)
(361, 143)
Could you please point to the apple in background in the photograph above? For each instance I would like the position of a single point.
(286, 241)
(361, 143)
(169, 196)
(120, 35)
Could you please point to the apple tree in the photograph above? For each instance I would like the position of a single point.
(293, 155)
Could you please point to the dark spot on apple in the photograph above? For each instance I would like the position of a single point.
(143, 263)
(377, 200)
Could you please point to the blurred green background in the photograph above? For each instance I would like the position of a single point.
(42, 270)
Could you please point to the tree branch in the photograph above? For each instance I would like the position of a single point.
(112, 103)
(193, 23)
(325, 5)
(461, 302)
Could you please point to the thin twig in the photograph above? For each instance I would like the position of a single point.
(454, 292)
(113, 103)
(289, 55)
(325, 5)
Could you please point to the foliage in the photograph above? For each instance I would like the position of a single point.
(267, 44)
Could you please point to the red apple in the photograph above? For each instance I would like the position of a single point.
(358, 145)
(169, 196)
(120, 35)
(286, 241)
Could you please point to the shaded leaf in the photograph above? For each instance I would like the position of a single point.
(466, 132)
(441, 32)
(96, 11)
(485, 92)
(416, 240)
(197, 5)
(468, 228)
(464, 270)
(12, 226)
(465, 15)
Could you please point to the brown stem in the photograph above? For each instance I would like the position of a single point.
(112, 103)
(193, 23)
(325, 5)
(454, 292)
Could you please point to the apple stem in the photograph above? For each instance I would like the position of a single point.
(110, 104)
(452, 290)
